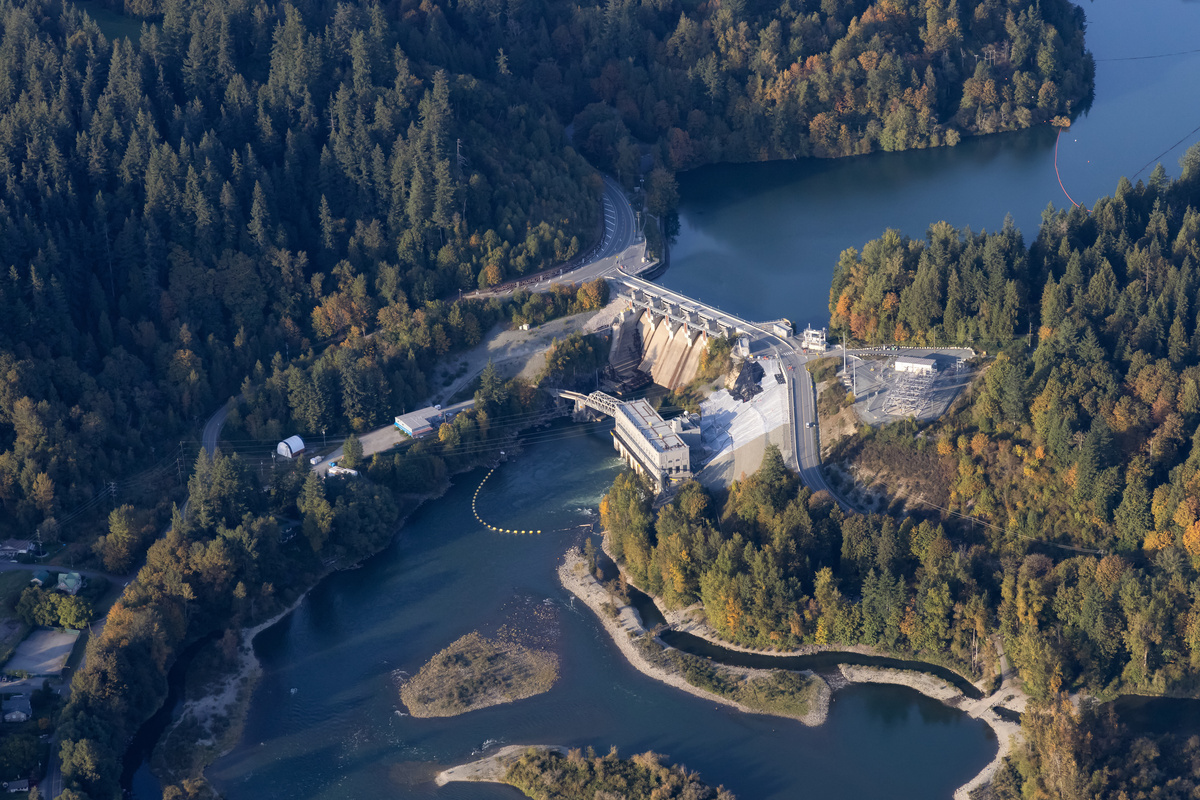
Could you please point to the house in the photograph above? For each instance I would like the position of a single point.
(11, 548)
(40, 578)
(69, 582)
(290, 447)
(16, 708)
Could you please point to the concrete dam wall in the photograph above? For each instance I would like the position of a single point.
(667, 354)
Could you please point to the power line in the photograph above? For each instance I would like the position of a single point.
(1145, 58)
(1169, 149)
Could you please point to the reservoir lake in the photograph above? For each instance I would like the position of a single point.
(762, 240)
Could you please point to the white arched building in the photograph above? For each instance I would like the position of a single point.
(290, 447)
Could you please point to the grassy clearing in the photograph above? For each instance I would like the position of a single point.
(12, 628)
(474, 673)
(788, 694)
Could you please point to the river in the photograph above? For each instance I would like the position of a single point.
(762, 240)
(324, 721)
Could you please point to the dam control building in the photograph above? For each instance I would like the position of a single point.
(651, 445)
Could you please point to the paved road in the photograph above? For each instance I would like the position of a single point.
(806, 446)
(212, 428)
(12, 566)
(620, 232)
(620, 244)
(804, 411)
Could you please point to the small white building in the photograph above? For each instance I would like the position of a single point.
(419, 423)
(290, 447)
(920, 366)
(814, 340)
(782, 328)
(11, 548)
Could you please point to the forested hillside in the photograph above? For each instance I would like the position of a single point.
(173, 219)
(283, 202)
(251, 181)
(776, 566)
(1072, 474)
(1085, 435)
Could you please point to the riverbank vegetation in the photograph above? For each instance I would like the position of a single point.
(474, 672)
(235, 558)
(579, 776)
(777, 567)
(1089, 752)
(781, 692)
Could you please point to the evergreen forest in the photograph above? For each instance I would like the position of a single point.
(295, 206)
(223, 196)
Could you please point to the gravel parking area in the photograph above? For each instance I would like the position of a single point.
(43, 652)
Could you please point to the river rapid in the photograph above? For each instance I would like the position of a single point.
(761, 240)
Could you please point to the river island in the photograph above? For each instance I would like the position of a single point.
(542, 771)
(474, 672)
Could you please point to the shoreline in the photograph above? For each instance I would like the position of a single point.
(939, 690)
(690, 620)
(1008, 695)
(491, 769)
(627, 625)
(230, 699)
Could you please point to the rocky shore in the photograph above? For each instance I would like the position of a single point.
(492, 768)
(574, 576)
(626, 626)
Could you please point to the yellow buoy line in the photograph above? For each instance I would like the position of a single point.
(475, 509)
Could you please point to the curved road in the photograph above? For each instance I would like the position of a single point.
(620, 242)
(620, 232)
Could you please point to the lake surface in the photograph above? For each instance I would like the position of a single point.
(324, 722)
(762, 240)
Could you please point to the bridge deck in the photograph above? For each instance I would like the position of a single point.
(682, 309)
